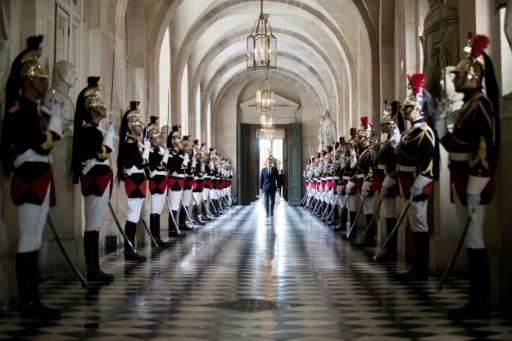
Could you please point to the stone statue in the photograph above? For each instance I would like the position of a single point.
(508, 18)
(64, 78)
(449, 103)
(440, 42)
(4, 52)
(326, 132)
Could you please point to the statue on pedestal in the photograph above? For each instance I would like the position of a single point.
(440, 42)
(327, 131)
(64, 78)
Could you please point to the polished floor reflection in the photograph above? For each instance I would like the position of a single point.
(242, 277)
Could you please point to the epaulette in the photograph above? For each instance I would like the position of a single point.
(130, 139)
(14, 107)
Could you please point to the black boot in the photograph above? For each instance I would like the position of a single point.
(27, 277)
(92, 260)
(213, 209)
(342, 225)
(174, 231)
(195, 216)
(129, 253)
(479, 304)
(352, 215)
(419, 268)
(391, 248)
(183, 220)
(369, 237)
(154, 225)
(206, 217)
(326, 214)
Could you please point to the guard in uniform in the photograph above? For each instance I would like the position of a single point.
(27, 140)
(91, 165)
(366, 183)
(197, 190)
(131, 164)
(205, 170)
(416, 162)
(157, 174)
(176, 166)
(386, 173)
(473, 154)
(189, 183)
(350, 177)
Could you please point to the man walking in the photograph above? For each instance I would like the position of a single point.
(269, 179)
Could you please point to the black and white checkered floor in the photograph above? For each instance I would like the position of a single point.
(240, 278)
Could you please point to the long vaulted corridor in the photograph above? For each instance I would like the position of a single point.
(241, 278)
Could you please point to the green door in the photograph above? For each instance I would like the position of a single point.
(294, 163)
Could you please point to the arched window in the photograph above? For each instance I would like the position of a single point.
(198, 113)
(209, 124)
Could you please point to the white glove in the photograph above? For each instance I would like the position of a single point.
(186, 159)
(384, 191)
(350, 186)
(212, 165)
(194, 162)
(415, 191)
(108, 140)
(55, 125)
(365, 190)
(473, 201)
(147, 149)
(56, 108)
(441, 128)
(165, 158)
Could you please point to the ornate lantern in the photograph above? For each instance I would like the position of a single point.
(261, 44)
(265, 101)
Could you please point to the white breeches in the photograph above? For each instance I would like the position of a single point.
(417, 215)
(31, 220)
(198, 196)
(475, 236)
(353, 202)
(95, 209)
(369, 205)
(174, 199)
(214, 194)
(187, 197)
(389, 207)
(206, 194)
(157, 203)
(134, 207)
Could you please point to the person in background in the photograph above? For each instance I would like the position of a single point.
(269, 180)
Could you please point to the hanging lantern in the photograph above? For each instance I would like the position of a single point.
(261, 44)
(267, 121)
(265, 101)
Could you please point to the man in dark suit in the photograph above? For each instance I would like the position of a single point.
(269, 180)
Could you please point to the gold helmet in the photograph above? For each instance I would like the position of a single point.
(473, 65)
(176, 135)
(153, 131)
(133, 115)
(93, 97)
(415, 97)
(30, 65)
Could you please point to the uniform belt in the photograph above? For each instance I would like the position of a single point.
(346, 178)
(459, 156)
(133, 170)
(89, 164)
(177, 175)
(157, 172)
(381, 167)
(407, 169)
(360, 176)
(29, 156)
